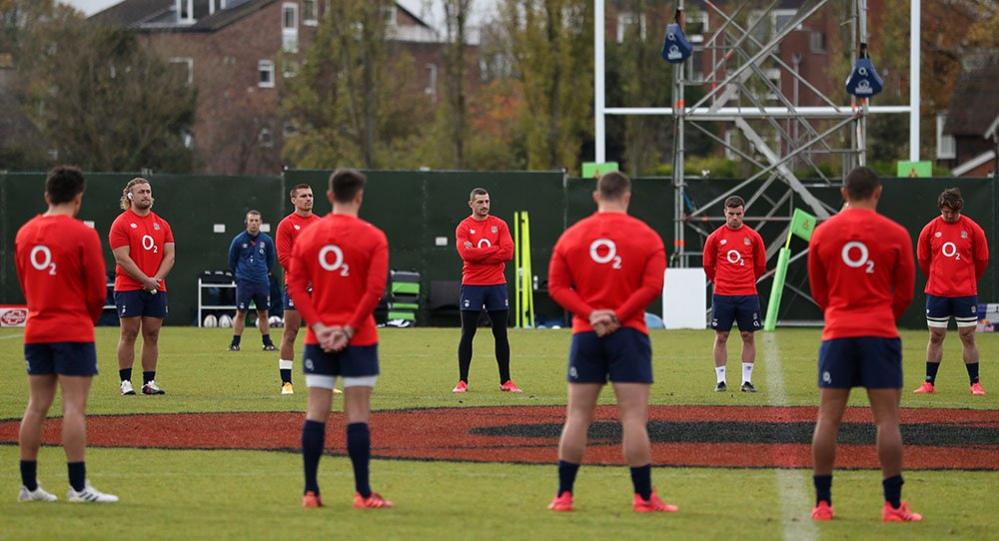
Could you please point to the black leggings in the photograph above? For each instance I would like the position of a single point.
(469, 322)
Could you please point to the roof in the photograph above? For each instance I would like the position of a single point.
(159, 15)
(975, 102)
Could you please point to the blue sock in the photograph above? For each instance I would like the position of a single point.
(823, 488)
(566, 476)
(893, 490)
(236, 339)
(77, 475)
(972, 372)
(125, 374)
(285, 375)
(148, 376)
(267, 340)
(29, 474)
(313, 440)
(359, 449)
(641, 477)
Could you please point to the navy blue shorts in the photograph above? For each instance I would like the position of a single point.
(744, 309)
(64, 358)
(141, 303)
(352, 362)
(625, 356)
(866, 361)
(477, 298)
(259, 293)
(289, 303)
(940, 309)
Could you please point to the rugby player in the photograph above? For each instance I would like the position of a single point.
(345, 259)
(61, 271)
(734, 259)
(484, 244)
(251, 255)
(606, 269)
(862, 275)
(144, 253)
(953, 254)
(287, 231)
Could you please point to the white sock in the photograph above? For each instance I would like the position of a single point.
(285, 365)
(747, 372)
(720, 374)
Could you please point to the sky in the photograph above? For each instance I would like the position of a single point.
(420, 7)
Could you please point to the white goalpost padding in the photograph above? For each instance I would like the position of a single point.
(684, 299)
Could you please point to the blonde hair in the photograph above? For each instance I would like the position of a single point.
(126, 203)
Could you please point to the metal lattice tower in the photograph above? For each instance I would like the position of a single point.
(739, 98)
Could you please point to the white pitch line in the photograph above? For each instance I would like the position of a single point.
(791, 484)
(10, 336)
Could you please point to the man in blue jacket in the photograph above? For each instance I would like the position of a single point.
(251, 255)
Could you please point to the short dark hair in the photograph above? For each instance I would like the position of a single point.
(64, 183)
(475, 192)
(294, 189)
(345, 183)
(951, 198)
(734, 202)
(861, 183)
(613, 185)
(253, 212)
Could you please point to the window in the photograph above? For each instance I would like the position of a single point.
(265, 137)
(290, 68)
(266, 71)
(188, 139)
(431, 89)
(290, 129)
(289, 27)
(391, 16)
(310, 13)
(185, 65)
(946, 146)
(626, 20)
(817, 42)
(289, 16)
(185, 11)
(696, 26)
(773, 74)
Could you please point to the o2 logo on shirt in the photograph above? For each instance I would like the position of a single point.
(735, 258)
(949, 249)
(483, 243)
(609, 257)
(45, 261)
(149, 245)
(858, 249)
(337, 263)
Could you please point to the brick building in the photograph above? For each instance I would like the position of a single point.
(239, 55)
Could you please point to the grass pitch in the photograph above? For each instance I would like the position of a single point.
(255, 495)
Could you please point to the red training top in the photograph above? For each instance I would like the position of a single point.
(734, 259)
(145, 237)
(345, 259)
(862, 274)
(61, 269)
(287, 231)
(491, 248)
(953, 257)
(608, 261)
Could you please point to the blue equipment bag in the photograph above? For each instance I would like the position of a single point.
(676, 48)
(864, 80)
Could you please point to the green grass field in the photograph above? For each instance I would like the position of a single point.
(255, 494)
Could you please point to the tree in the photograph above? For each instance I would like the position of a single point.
(553, 59)
(98, 98)
(350, 102)
(456, 105)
